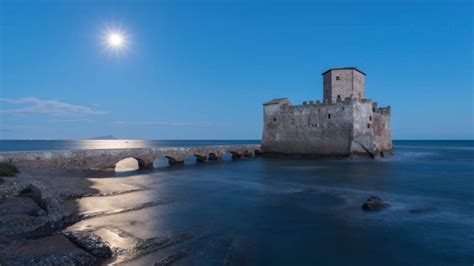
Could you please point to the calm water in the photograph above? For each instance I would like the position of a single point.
(282, 211)
(39, 145)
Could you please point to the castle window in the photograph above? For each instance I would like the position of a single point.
(342, 108)
(338, 78)
(368, 125)
(329, 116)
(370, 118)
(274, 119)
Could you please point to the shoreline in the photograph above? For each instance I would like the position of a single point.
(39, 232)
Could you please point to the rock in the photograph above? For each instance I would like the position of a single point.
(20, 223)
(90, 242)
(20, 205)
(374, 203)
(8, 169)
(35, 194)
(51, 250)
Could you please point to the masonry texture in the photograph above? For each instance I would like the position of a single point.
(343, 124)
(104, 159)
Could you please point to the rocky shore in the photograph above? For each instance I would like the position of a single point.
(32, 214)
(37, 213)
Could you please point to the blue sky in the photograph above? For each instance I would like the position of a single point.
(202, 69)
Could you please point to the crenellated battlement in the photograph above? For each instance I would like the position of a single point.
(381, 110)
(347, 100)
(337, 125)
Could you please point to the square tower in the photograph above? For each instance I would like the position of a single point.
(339, 83)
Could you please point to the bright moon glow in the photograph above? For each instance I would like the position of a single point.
(115, 40)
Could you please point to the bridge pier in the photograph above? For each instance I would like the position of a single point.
(200, 158)
(173, 161)
(214, 157)
(236, 155)
(247, 154)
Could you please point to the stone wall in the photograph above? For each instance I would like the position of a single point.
(352, 126)
(343, 83)
(358, 84)
(327, 87)
(104, 159)
(382, 130)
(316, 129)
(362, 135)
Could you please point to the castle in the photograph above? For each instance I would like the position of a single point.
(344, 124)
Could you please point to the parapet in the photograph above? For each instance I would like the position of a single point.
(382, 110)
(347, 100)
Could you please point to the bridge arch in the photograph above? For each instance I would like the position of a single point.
(160, 162)
(129, 164)
(227, 156)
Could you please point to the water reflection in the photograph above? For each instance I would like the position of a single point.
(35, 145)
(110, 144)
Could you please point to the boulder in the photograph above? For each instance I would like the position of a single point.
(35, 194)
(90, 242)
(374, 203)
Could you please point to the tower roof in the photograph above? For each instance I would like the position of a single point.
(343, 68)
(277, 101)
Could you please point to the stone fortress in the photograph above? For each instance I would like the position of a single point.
(344, 124)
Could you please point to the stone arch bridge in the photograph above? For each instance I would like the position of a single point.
(107, 158)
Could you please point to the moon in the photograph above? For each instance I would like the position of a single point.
(115, 40)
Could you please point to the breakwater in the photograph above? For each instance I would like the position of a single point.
(107, 158)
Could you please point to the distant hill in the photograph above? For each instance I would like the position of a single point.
(103, 137)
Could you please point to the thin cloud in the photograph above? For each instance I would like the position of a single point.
(32, 105)
(155, 123)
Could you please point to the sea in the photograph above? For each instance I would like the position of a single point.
(301, 211)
